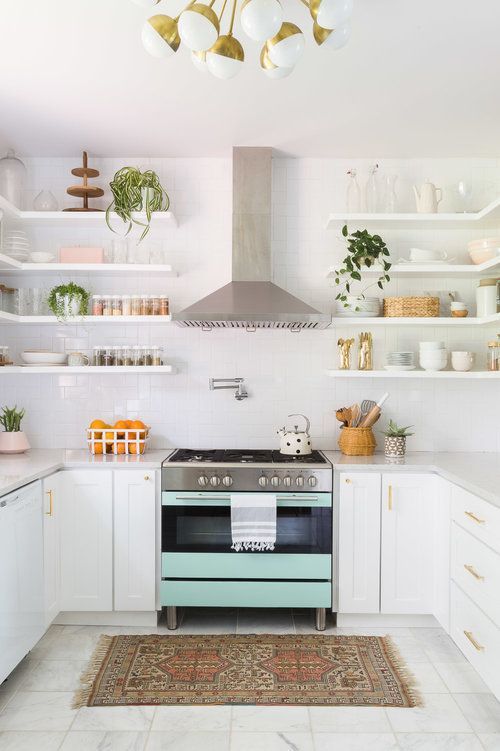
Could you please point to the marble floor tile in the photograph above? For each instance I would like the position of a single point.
(15, 740)
(265, 621)
(54, 675)
(283, 741)
(70, 645)
(439, 742)
(440, 714)
(38, 710)
(304, 622)
(103, 741)
(461, 678)
(355, 742)
(349, 720)
(490, 741)
(188, 718)
(481, 710)
(16, 680)
(190, 741)
(270, 718)
(427, 678)
(114, 718)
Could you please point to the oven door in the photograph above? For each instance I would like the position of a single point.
(201, 523)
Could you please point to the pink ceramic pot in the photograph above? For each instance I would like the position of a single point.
(13, 443)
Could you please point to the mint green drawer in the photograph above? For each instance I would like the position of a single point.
(247, 594)
(245, 566)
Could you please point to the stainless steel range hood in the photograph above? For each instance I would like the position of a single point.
(251, 300)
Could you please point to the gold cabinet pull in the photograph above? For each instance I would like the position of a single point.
(474, 517)
(347, 480)
(146, 477)
(472, 571)
(51, 503)
(473, 641)
(389, 497)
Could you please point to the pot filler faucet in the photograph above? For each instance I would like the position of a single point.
(229, 383)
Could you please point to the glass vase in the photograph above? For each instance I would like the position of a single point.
(12, 177)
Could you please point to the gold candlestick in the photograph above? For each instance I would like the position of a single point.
(365, 351)
(344, 347)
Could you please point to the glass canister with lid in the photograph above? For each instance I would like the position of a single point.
(493, 357)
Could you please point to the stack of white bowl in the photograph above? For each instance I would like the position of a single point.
(433, 355)
(16, 245)
(400, 361)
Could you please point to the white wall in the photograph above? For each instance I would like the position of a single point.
(284, 372)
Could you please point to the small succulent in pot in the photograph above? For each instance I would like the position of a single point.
(12, 440)
(395, 440)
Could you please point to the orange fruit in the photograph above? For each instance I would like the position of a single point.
(109, 437)
(139, 424)
(128, 423)
(134, 449)
(97, 448)
(121, 424)
(98, 424)
(109, 449)
(120, 448)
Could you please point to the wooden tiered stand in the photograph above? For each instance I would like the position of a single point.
(84, 190)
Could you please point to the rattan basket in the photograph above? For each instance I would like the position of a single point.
(412, 307)
(357, 441)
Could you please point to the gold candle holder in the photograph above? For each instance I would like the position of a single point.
(344, 347)
(365, 351)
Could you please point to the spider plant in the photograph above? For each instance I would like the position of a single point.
(134, 190)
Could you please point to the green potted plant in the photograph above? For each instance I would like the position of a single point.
(68, 300)
(363, 251)
(13, 440)
(395, 440)
(134, 190)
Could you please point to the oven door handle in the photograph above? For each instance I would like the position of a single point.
(225, 498)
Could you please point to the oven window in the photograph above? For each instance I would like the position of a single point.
(202, 529)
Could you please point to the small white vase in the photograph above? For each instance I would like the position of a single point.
(14, 442)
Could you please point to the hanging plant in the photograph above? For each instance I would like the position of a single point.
(68, 300)
(134, 190)
(363, 251)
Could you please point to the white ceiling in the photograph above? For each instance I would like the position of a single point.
(418, 78)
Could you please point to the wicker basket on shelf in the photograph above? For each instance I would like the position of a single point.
(411, 307)
(357, 441)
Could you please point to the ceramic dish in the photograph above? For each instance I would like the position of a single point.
(43, 357)
(40, 257)
(399, 367)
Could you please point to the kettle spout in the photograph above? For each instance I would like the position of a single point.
(281, 432)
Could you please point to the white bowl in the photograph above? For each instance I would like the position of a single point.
(43, 357)
(41, 257)
(431, 346)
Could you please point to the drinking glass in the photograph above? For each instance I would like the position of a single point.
(390, 197)
(464, 190)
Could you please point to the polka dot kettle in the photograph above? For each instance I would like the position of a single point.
(295, 442)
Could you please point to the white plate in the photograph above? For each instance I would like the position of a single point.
(426, 263)
(43, 365)
(399, 367)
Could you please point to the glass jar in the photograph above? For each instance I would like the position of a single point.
(118, 352)
(156, 355)
(137, 354)
(107, 308)
(126, 305)
(4, 355)
(97, 355)
(127, 356)
(135, 305)
(108, 356)
(12, 177)
(9, 299)
(145, 305)
(164, 305)
(97, 305)
(155, 305)
(147, 356)
(117, 305)
(493, 362)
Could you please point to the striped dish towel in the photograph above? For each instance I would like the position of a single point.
(253, 521)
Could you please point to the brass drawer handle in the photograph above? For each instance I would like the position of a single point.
(472, 571)
(474, 643)
(474, 517)
(347, 480)
(51, 503)
(389, 498)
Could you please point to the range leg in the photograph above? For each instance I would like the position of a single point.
(320, 619)
(171, 617)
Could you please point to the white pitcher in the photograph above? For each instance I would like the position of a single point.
(428, 198)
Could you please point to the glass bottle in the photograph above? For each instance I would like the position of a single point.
(97, 358)
(118, 355)
(117, 305)
(390, 197)
(137, 354)
(164, 305)
(126, 305)
(353, 193)
(145, 305)
(127, 356)
(135, 305)
(156, 355)
(371, 190)
(147, 356)
(108, 356)
(493, 362)
(12, 177)
(155, 305)
(97, 305)
(45, 201)
(107, 309)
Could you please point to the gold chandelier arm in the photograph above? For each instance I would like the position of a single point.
(222, 10)
(192, 2)
(233, 13)
(305, 2)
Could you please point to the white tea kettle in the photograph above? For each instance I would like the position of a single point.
(427, 198)
(295, 442)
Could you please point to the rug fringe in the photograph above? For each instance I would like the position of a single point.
(408, 679)
(87, 678)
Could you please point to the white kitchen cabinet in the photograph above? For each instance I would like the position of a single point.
(51, 546)
(359, 542)
(86, 530)
(406, 569)
(134, 540)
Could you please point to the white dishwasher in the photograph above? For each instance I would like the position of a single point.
(21, 575)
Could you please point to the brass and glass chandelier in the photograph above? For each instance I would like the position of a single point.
(208, 33)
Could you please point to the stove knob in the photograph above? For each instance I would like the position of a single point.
(312, 481)
(214, 481)
(287, 481)
(299, 481)
(263, 481)
(203, 481)
(275, 481)
(227, 480)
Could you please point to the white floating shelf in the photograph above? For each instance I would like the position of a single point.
(89, 370)
(430, 269)
(11, 266)
(98, 320)
(490, 215)
(438, 374)
(381, 321)
(85, 218)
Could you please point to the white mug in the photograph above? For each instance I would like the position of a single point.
(76, 359)
(419, 255)
(462, 360)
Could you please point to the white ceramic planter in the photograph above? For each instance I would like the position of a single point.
(13, 443)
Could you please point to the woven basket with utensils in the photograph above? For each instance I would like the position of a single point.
(357, 441)
(411, 307)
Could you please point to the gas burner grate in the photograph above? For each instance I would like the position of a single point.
(248, 456)
(197, 455)
(314, 458)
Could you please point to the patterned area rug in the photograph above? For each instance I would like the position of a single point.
(247, 669)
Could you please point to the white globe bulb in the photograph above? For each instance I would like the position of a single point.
(223, 67)
(159, 36)
(146, 3)
(198, 27)
(334, 13)
(261, 19)
(277, 73)
(285, 50)
(338, 38)
(199, 60)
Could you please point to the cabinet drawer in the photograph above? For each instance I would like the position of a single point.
(477, 637)
(245, 566)
(476, 568)
(241, 594)
(478, 517)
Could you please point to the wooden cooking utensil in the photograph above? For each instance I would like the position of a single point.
(84, 190)
(355, 416)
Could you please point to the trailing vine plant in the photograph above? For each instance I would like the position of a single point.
(134, 190)
(60, 296)
(363, 250)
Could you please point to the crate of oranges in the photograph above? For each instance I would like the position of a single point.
(124, 437)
